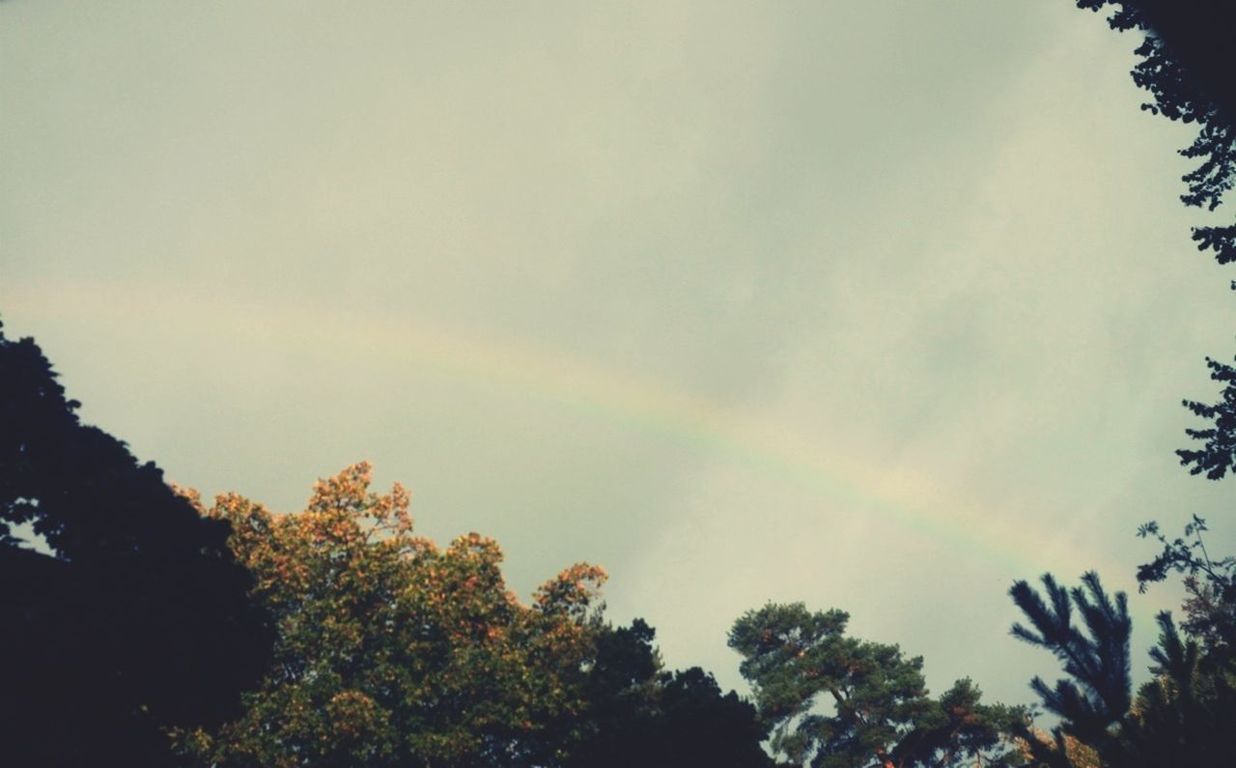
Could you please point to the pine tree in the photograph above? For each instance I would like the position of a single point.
(835, 701)
(1183, 716)
(1096, 660)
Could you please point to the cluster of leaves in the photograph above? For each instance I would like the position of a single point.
(391, 651)
(136, 618)
(1185, 65)
(1186, 61)
(835, 701)
(1218, 439)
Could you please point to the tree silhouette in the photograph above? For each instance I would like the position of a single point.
(639, 714)
(1186, 64)
(1218, 439)
(1096, 660)
(137, 620)
(1183, 716)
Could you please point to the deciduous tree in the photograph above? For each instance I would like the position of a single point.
(1186, 60)
(394, 652)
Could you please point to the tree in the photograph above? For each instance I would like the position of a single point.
(1186, 64)
(1192, 701)
(393, 652)
(136, 620)
(1183, 716)
(1210, 611)
(639, 714)
(877, 710)
(1097, 691)
(1186, 61)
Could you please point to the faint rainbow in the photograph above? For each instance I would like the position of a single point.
(909, 500)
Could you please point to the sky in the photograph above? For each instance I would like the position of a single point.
(875, 306)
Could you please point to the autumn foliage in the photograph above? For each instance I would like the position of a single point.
(393, 651)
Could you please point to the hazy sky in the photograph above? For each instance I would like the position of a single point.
(876, 306)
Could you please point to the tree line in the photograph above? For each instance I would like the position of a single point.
(159, 631)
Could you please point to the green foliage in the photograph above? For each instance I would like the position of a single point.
(393, 652)
(835, 701)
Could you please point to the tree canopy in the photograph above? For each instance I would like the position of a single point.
(836, 701)
(393, 651)
(640, 714)
(137, 619)
(1182, 716)
(1185, 63)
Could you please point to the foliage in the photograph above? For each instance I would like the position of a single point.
(641, 715)
(1096, 660)
(1186, 61)
(1182, 716)
(1186, 554)
(1218, 438)
(138, 617)
(877, 709)
(1210, 610)
(392, 651)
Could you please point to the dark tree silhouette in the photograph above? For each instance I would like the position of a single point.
(1218, 438)
(1183, 716)
(1210, 582)
(139, 618)
(1097, 660)
(641, 715)
(1186, 64)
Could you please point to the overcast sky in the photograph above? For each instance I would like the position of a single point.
(877, 306)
